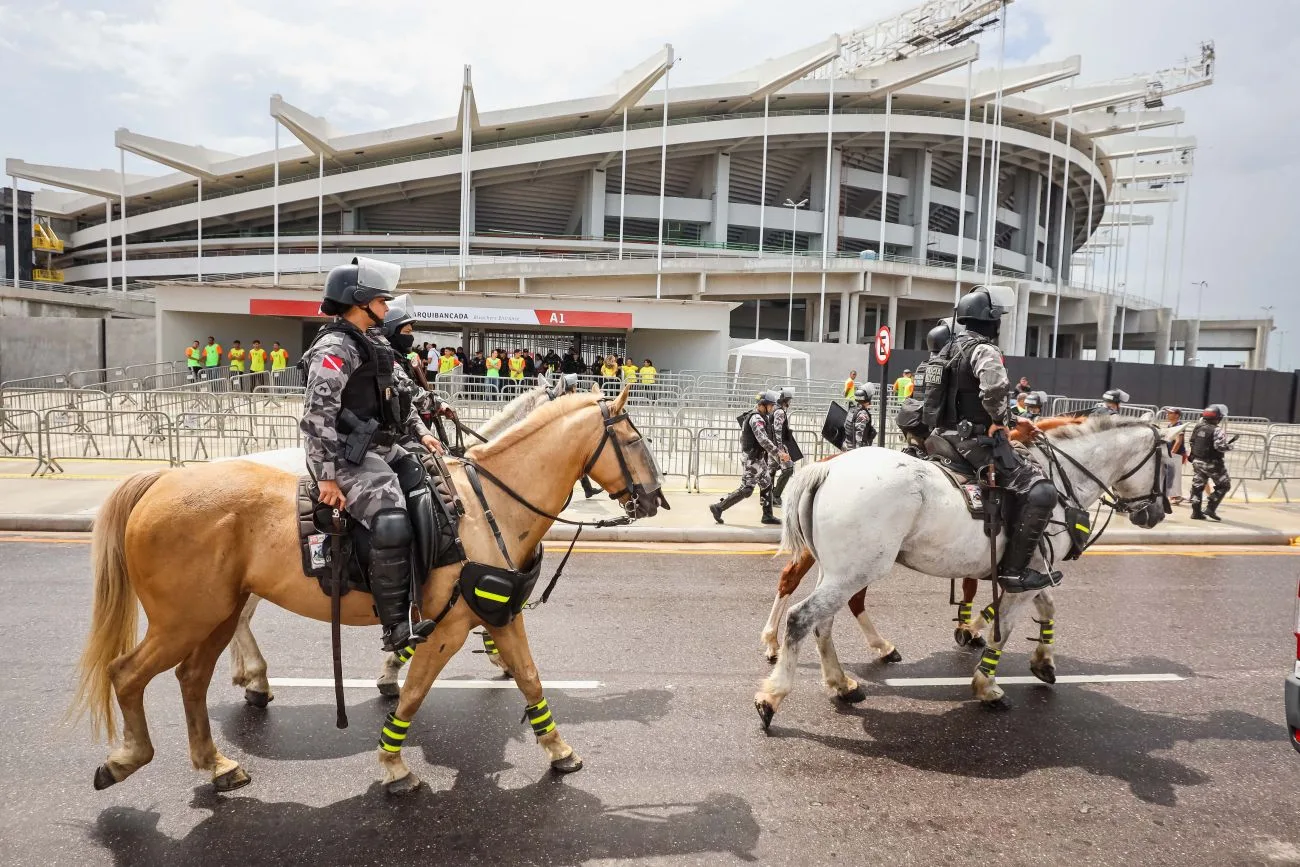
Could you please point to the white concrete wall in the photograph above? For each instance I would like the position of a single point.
(677, 350)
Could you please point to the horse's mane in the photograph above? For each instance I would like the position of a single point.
(1066, 428)
(513, 412)
(542, 416)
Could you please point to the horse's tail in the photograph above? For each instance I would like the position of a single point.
(115, 615)
(796, 526)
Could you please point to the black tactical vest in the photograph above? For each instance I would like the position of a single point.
(370, 392)
(963, 398)
(1203, 448)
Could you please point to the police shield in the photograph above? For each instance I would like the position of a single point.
(833, 426)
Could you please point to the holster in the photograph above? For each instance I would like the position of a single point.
(356, 436)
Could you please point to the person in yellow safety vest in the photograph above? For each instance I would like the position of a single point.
(193, 359)
(257, 358)
(517, 365)
(279, 360)
(212, 356)
(447, 362)
(629, 371)
(850, 385)
(238, 354)
(903, 386)
(648, 373)
(609, 367)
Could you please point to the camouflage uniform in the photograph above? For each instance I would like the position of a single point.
(858, 430)
(757, 469)
(370, 486)
(1206, 470)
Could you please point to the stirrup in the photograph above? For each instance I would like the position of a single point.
(1029, 580)
(405, 635)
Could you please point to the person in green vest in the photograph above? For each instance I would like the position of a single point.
(193, 360)
(257, 363)
(237, 356)
(279, 361)
(211, 357)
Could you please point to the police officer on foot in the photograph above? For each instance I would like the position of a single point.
(858, 429)
(760, 451)
(973, 420)
(784, 437)
(1209, 443)
(352, 421)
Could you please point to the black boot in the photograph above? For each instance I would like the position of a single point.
(728, 501)
(781, 479)
(1197, 514)
(1015, 574)
(765, 498)
(588, 488)
(1212, 507)
(390, 580)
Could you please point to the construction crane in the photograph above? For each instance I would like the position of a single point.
(930, 26)
(1189, 73)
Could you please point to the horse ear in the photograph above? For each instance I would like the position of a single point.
(620, 401)
(595, 389)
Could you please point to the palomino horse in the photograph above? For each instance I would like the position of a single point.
(192, 544)
(247, 665)
(917, 519)
(967, 633)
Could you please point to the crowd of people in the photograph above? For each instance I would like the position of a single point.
(500, 367)
(205, 362)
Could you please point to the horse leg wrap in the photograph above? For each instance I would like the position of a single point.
(489, 646)
(393, 734)
(963, 613)
(539, 716)
(404, 655)
(1046, 631)
(988, 613)
(989, 662)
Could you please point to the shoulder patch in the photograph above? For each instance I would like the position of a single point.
(332, 362)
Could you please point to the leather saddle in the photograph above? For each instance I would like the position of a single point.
(431, 503)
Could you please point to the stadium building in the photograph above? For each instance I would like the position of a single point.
(815, 196)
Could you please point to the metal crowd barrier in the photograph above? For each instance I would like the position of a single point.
(20, 436)
(103, 435)
(201, 437)
(1246, 461)
(1282, 459)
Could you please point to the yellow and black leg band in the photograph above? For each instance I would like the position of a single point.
(393, 734)
(963, 613)
(404, 655)
(989, 662)
(489, 646)
(1046, 631)
(539, 716)
(988, 613)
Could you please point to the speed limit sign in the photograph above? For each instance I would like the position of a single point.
(884, 345)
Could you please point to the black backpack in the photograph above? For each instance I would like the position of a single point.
(748, 442)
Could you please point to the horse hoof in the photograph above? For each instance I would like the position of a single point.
(390, 689)
(962, 637)
(257, 699)
(976, 642)
(404, 786)
(771, 658)
(999, 704)
(892, 656)
(853, 696)
(235, 778)
(103, 778)
(567, 765)
(765, 713)
(1045, 673)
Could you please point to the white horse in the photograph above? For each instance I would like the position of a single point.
(248, 666)
(914, 516)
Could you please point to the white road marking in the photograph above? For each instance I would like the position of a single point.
(1060, 678)
(355, 683)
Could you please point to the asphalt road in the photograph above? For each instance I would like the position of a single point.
(1190, 771)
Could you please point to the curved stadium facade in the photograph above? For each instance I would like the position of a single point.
(600, 197)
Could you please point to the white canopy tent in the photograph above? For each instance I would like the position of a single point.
(766, 348)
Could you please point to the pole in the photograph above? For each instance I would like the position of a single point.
(1128, 238)
(1092, 188)
(1047, 240)
(884, 176)
(14, 256)
(663, 177)
(200, 220)
(762, 184)
(320, 211)
(466, 149)
(622, 187)
(979, 190)
(1061, 258)
(826, 201)
(1169, 230)
(883, 395)
(794, 234)
(961, 190)
(275, 207)
(995, 169)
(121, 157)
(1182, 253)
(108, 240)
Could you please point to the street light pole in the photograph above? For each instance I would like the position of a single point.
(794, 235)
(1200, 297)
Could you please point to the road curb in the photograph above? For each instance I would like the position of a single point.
(742, 535)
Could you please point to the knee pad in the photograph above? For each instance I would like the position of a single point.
(391, 528)
(1041, 495)
(410, 472)
(745, 491)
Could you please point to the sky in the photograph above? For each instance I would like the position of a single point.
(202, 73)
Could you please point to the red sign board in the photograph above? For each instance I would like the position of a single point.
(465, 315)
(884, 345)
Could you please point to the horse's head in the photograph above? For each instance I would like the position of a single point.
(1139, 486)
(622, 462)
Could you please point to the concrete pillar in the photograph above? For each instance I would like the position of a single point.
(701, 284)
(1192, 345)
(1044, 349)
(1164, 335)
(720, 192)
(1259, 357)
(1105, 326)
(817, 195)
(523, 285)
(854, 319)
(1029, 191)
(918, 167)
(891, 317)
(348, 220)
(1022, 319)
(810, 318)
(593, 205)
(844, 318)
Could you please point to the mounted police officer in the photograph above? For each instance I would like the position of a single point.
(928, 374)
(352, 420)
(972, 414)
(399, 330)
(784, 437)
(1209, 444)
(858, 430)
(761, 452)
(1033, 406)
(1112, 400)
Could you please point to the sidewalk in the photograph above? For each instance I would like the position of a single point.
(67, 503)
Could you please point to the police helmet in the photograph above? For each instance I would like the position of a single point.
(862, 393)
(398, 316)
(1032, 399)
(361, 282)
(986, 304)
(1214, 412)
(938, 337)
(1114, 395)
(769, 397)
(787, 393)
